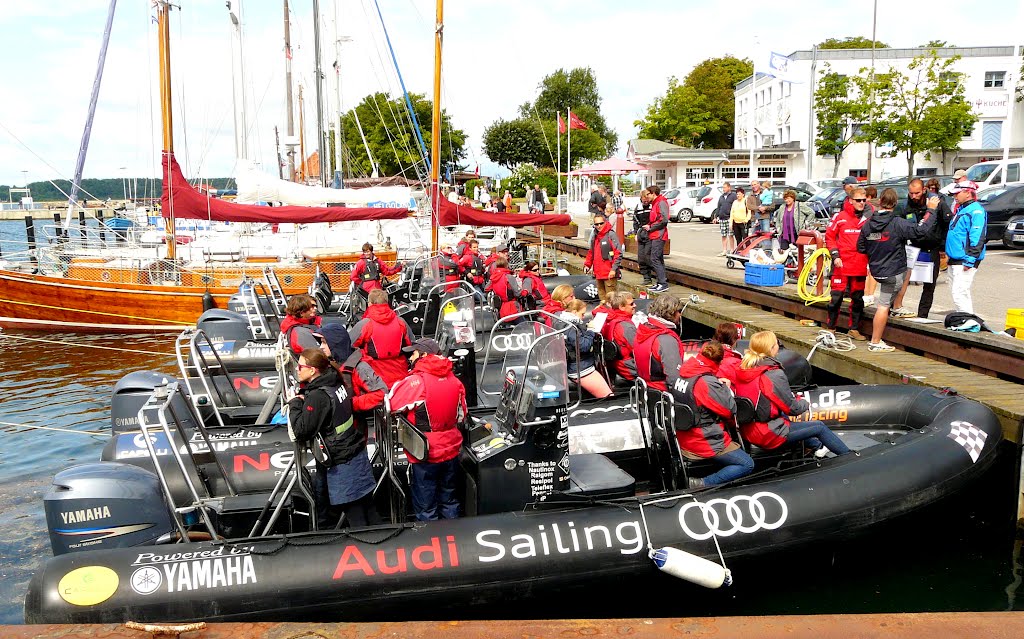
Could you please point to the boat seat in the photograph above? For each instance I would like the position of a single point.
(595, 475)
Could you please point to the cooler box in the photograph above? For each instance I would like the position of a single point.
(1015, 319)
(764, 274)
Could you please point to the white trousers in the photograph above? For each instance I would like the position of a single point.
(960, 281)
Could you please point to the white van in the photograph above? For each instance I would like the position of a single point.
(996, 172)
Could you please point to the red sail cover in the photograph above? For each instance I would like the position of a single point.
(191, 204)
(451, 214)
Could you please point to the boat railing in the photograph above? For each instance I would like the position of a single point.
(274, 289)
(659, 414)
(158, 413)
(541, 333)
(193, 348)
(391, 448)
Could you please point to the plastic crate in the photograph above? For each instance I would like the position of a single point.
(764, 274)
(1015, 319)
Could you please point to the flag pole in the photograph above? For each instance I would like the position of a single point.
(568, 143)
(558, 158)
(750, 119)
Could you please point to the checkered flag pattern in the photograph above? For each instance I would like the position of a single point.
(970, 437)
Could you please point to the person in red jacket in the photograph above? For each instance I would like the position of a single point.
(505, 285)
(619, 329)
(535, 293)
(604, 257)
(449, 268)
(369, 270)
(712, 404)
(727, 335)
(434, 400)
(762, 380)
(473, 270)
(849, 267)
(300, 323)
(658, 351)
(463, 245)
(657, 231)
(382, 335)
(555, 304)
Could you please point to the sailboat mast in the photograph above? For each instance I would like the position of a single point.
(289, 141)
(164, 39)
(435, 129)
(319, 79)
(83, 148)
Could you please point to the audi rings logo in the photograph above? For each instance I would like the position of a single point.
(738, 514)
(514, 342)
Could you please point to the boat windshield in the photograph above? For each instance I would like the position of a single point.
(458, 317)
(535, 361)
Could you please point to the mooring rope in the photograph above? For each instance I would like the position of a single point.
(80, 345)
(54, 428)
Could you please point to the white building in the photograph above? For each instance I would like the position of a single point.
(783, 133)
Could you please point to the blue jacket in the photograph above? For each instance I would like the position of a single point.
(968, 232)
(586, 339)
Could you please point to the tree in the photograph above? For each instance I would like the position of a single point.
(389, 134)
(680, 117)
(919, 111)
(715, 79)
(836, 111)
(851, 42)
(524, 176)
(575, 89)
(936, 44)
(514, 142)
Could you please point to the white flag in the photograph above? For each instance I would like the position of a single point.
(779, 66)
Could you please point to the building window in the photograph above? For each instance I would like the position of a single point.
(770, 94)
(659, 177)
(926, 172)
(787, 89)
(856, 129)
(735, 173)
(860, 174)
(787, 135)
(994, 79)
(991, 135)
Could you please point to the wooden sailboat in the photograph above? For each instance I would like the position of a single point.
(117, 294)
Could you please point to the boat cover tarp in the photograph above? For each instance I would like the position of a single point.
(191, 204)
(451, 214)
(255, 186)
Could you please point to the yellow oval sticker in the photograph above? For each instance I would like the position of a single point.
(88, 586)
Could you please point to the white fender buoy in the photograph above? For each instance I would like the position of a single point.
(692, 568)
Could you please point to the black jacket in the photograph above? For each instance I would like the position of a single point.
(724, 208)
(936, 238)
(884, 240)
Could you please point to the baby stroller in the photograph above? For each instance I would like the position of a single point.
(764, 240)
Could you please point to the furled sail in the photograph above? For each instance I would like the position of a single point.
(189, 203)
(256, 186)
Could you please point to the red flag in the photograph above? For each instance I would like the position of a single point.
(561, 124)
(575, 122)
(477, 172)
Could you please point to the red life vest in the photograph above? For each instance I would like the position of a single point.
(612, 331)
(383, 341)
(647, 355)
(771, 425)
(368, 273)
(449, 268)
(473, 265)
(706, 437)
(540, 291)
(499, 285)
(660, 234)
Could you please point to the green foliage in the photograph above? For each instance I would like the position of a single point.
(936, 44)
(510, 143)
(100, 189)
(471, 185)
(701, 110)
(524, 176)
(836, 110)
(922, 110)
(389, 134)
(851, 42)
(1020, 82)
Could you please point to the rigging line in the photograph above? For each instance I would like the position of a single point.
(91, 433)
(544, 133)
(408, 102)
(40, 158)
(81, 345)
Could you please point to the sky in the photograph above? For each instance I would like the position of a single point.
(496, 52)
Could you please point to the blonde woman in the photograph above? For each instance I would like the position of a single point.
(762, 380)
(583, 371)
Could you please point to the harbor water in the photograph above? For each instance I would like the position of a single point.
(958, 555)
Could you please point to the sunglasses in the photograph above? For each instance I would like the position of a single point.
(302, 366)
(860, 199)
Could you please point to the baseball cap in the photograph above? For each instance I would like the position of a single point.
(502, 248)
(963, 186)
(959, 173)
(849, 180)
(424, 345)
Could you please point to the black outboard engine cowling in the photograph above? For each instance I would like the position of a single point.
(105, 505)
(131, 392)
(231, 337)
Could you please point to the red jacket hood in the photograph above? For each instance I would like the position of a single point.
(744, 375)
(433, 365)
(604, 230)
(554, 306)
(652, 328)
(617, 313)
(697, 365)
(498, 273)
(381, 313)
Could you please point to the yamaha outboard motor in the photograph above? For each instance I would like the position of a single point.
(105, 505)
(131, 392)
(232, 337)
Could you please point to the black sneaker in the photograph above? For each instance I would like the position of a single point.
(658, 288)
(694, 483)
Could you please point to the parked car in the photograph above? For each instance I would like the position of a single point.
(705, 208)
(682, 201)
(1002, 203)
(1013, 236)
(996, 172)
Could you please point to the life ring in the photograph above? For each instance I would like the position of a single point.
(105, 276)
